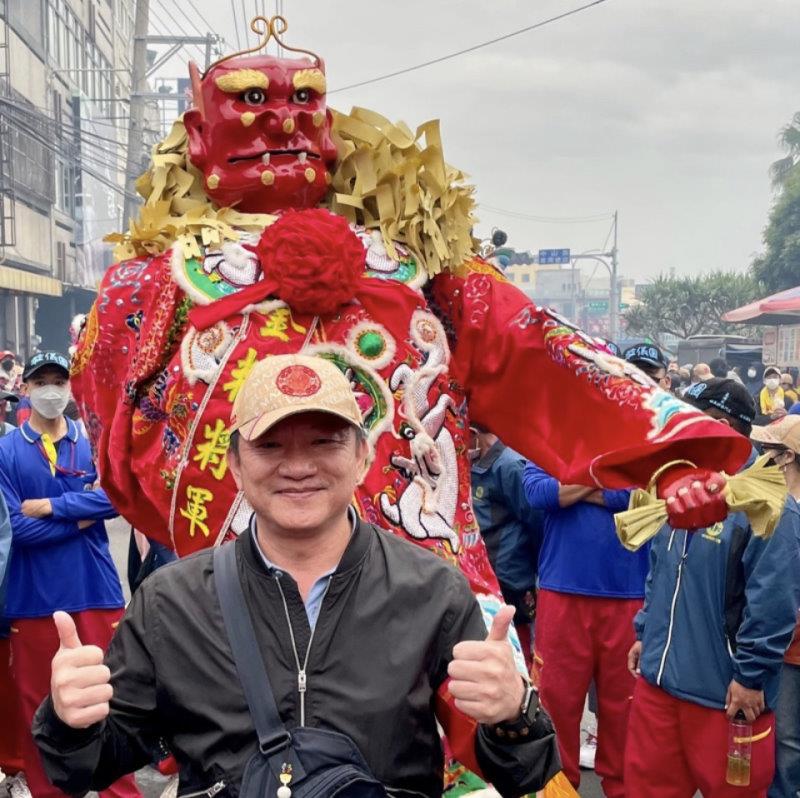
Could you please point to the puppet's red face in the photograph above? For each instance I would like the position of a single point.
(260, 133)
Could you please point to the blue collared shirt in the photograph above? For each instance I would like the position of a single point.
(54, 564)
(313, 602)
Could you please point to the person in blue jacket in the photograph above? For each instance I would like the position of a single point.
(510, 527)
(719, 613)
(60, 559)
(590, 588)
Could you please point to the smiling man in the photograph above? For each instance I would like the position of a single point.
(361, 633)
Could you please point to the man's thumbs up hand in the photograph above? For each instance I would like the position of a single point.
(67, 633)
(501, 623)
(80, 683)
(484, 678)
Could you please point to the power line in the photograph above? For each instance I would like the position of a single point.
(208, 25)
(470, 49)
(244, 24)
(29, 112)
(236, 25)
(71, 156)
(547, 219)
(182, 31)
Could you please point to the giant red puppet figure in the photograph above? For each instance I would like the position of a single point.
(273, 225)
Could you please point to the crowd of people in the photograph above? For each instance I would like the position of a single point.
(671, 643)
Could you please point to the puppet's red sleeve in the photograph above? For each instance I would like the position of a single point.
(550, 392)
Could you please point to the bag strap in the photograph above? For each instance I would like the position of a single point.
(272, 734)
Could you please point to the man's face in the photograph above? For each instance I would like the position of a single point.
(300, 475)
(260, 134)
(49, 375)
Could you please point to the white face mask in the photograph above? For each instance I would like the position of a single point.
(772, 383)
(49, 401)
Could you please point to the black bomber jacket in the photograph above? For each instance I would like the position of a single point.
(381, 647)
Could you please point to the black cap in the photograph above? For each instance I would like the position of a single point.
(727, 396)
(646, 353)
(42, 359)
(5, 396)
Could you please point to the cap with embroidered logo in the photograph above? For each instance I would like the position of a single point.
(726, 395)
(645, 353)
(284, 385)
(42, 359)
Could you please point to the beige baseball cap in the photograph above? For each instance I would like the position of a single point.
(280, 386)
(784, 432)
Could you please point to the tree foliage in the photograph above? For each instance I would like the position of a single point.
(686, 306)
(778, 267)
(789, 139)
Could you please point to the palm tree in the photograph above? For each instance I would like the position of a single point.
(789, 139)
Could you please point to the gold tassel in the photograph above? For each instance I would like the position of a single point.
(759, 492)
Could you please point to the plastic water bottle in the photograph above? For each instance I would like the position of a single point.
(740, 734)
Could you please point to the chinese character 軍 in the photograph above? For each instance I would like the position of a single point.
(196, 511)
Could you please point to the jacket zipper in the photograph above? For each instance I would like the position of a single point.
(301, 669)
(210, 792)
(672, 610)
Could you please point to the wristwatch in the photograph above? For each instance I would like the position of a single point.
(520, 727)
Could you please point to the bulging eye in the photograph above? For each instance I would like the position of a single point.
(255, 96)
(302, 97)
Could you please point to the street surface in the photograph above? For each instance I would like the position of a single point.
(152, 783)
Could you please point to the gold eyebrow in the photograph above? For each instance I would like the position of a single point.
(240, 80)
(310, 79)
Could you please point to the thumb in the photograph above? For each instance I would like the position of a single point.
(67, 633)
(500, 623)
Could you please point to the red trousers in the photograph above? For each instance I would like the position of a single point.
(34, 642)
(580, 638)
(676, 748)
(10, 721)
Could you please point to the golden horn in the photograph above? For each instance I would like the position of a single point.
(272, 28)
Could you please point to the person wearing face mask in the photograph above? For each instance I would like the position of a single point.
(59, 548)
(782, 441)
(772, 401)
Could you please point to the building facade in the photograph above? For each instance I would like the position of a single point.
(65, 78)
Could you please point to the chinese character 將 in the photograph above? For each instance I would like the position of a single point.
(213, 451)
(239, 374)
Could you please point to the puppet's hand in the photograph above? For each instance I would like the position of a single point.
(694, 496)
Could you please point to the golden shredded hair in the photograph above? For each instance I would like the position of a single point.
(387, 177)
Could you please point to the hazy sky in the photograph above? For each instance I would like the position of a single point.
(666, 110)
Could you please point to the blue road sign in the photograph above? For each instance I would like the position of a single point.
(554, 256)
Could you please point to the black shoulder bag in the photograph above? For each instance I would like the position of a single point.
(303, 763)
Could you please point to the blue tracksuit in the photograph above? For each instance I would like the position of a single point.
(720, 604)
(511, 528)
(580, 551)
(54, 564)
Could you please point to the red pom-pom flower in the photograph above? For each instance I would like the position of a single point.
(315, 263)
(314, 259)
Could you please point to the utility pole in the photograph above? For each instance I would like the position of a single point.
(613, 295)
(138, 89)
